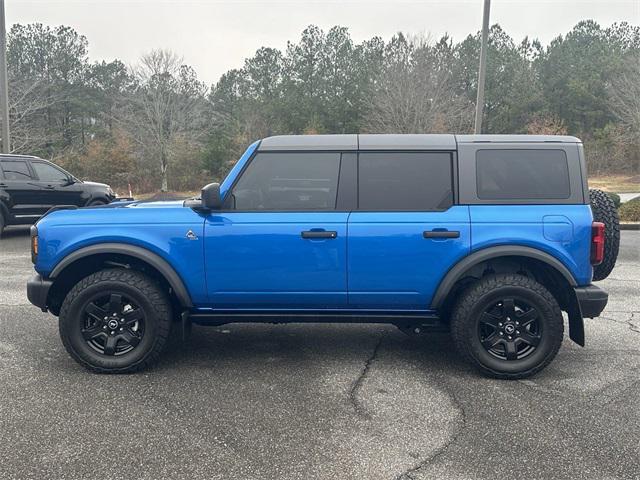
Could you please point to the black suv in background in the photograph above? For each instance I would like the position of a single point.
(29, 186)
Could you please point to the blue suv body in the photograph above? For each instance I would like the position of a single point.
(465, 232)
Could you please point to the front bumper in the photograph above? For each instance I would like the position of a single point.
(38, 291)
(592, 300)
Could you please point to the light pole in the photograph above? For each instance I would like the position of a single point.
(482, 71)
(4, 88)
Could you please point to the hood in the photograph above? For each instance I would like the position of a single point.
(97, 185)
(156, 204)
(141, 204)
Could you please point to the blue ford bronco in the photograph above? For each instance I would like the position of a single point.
(491, 237)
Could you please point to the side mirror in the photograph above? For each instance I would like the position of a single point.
(210, 197)
(70, 181)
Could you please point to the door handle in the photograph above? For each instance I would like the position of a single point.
(441, 234)
(319, 234)
(49, 187)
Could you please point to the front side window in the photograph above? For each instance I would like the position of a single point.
(288, 181)
(405, 181)
(16, 170)
(47, 173)
(522, 174)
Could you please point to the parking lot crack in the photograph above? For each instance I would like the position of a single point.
(462, 425)
(357, 384)
(629, 321)
(633, 326)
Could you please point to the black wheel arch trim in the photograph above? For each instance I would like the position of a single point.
(147, 256)
(456, 272)
(4, 211)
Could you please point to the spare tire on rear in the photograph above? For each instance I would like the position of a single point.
(604, 210)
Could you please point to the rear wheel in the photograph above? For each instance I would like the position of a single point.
(604, 210)
(509, 326)
(115, 321)
(96, 203)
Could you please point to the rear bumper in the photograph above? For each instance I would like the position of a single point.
(592, 300)
(38, 290)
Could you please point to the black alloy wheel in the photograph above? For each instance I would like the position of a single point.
(510, 329)
(113, 324)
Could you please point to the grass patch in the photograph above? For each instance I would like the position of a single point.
(616, 183)
(630, 211)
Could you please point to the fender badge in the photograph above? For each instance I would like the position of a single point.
(191, 235)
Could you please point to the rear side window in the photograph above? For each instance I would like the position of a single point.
(288, 181)
(404, 181)
(522, 174)
(16, 170)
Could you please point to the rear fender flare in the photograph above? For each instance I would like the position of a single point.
(485, 254)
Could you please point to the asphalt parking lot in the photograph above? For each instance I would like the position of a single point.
(317, 401)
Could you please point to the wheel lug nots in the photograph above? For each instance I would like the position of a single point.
(517, 332)
(499, 324)
(121, 329)
(105, 327)
(501, 333)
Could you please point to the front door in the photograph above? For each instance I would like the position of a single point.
(55, 187)
(407, 232)
(279, 242)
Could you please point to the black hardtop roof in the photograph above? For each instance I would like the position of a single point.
(398, 141)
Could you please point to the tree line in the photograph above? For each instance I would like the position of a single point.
(155, 125)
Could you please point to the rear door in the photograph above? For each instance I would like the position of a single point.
(281, 240)
(407, 231)
(24, 204)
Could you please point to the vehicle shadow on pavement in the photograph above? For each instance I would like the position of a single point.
(234, 345)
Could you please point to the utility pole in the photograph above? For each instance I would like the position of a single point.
(482, 71)
(4, 86)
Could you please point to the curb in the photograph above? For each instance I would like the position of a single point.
(630, 226)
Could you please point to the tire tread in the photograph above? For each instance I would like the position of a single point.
(604, 210)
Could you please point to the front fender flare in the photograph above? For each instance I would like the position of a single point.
(154, 260)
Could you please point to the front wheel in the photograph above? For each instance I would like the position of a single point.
(115, 321)
(509, 326)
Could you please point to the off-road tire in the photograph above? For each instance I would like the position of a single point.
(135, 285)
(604, 210)
(96, 203)
(465, 320)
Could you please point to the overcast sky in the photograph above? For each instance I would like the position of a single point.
(216, 35)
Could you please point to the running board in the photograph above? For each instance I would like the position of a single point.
(427, 320)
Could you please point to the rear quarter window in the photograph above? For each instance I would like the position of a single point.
(522, 174)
